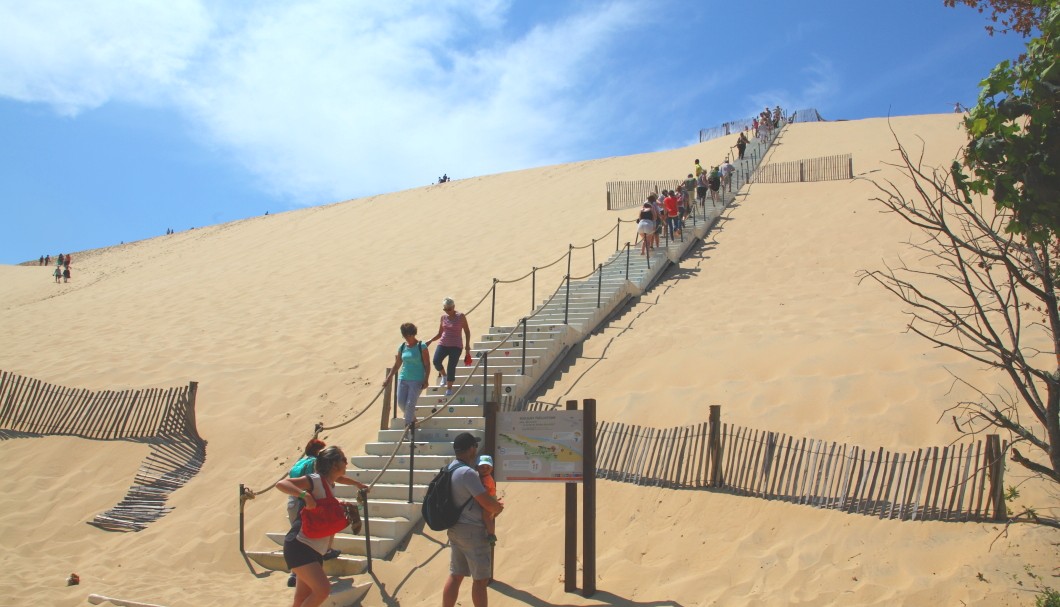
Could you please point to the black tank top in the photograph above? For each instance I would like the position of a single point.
(645, 213)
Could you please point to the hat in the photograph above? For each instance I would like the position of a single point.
(485, 459)
(463, 442)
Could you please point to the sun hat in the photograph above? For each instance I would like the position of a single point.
(485, 459)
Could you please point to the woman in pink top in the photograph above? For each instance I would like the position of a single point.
(450, 344)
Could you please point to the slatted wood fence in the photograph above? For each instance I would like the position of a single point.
(161, 417)
(961, 482)
(629, 194)
(823, 168)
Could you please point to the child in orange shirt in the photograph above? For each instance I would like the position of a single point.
(485, 472)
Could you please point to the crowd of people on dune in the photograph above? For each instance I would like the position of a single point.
(62, 266)
(665, 213)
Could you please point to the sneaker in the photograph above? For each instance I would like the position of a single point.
(330, 554)
(441, 381)
(448, 392)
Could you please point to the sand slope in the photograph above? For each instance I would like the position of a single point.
(291, 318)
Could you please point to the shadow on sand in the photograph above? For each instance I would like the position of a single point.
(602, 598)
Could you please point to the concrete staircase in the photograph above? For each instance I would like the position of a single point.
(525, 358)
(526, 355)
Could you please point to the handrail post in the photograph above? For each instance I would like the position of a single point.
(485, 375)
(627, 260)
(522, 364)
(570, 248)
(618, 229)
(533, 288)
(412, 453)
(599, 284)
(594, 252)
(493, 304)
(384, 415)
(566, 304)
(362, 497)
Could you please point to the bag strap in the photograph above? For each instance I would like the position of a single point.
(327, 489)
(454, 469)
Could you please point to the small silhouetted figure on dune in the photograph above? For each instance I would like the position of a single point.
(57, 274)
(444, 178)
(47, 260)
(41, 262)
(66, 274)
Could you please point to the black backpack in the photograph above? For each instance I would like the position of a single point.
(439, 510)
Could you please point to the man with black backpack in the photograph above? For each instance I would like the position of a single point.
(470, 550)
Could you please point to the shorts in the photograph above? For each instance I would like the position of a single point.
(297, 554)
(469, 552)
(646, 226)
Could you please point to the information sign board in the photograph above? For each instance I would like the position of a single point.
(540, 446)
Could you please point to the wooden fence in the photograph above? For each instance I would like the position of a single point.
(952, 483)
(628, 194)
(161, 417)
(32, 406)
(824, 168)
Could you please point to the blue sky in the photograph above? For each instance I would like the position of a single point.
(121, 119)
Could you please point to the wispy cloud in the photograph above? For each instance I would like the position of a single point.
(325, 99)
(78, 56)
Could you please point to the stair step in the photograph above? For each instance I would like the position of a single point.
(478, 423)
(391, 508)
(396, 476)
(428, 435)
(393, 492)
(353, 545)
(343, 566)
(439, 448)
(376, 462)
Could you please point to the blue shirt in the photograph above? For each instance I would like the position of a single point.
(303, 467)
(411, 362)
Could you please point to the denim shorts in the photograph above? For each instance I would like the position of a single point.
(469, 552)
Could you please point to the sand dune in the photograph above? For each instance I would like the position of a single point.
(289, 319)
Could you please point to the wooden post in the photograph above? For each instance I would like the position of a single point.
(714, 446)
(362, 497)
(384, 416)
(193, 391)
(570, 529)
(995, 459)
(490, 410)
(589, 507)
(242, 501)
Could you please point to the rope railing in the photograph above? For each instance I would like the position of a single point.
(247, 494)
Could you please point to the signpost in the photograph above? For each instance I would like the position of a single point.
(555, 446)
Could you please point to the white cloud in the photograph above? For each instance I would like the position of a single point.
(327, 99)
(77, 56)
